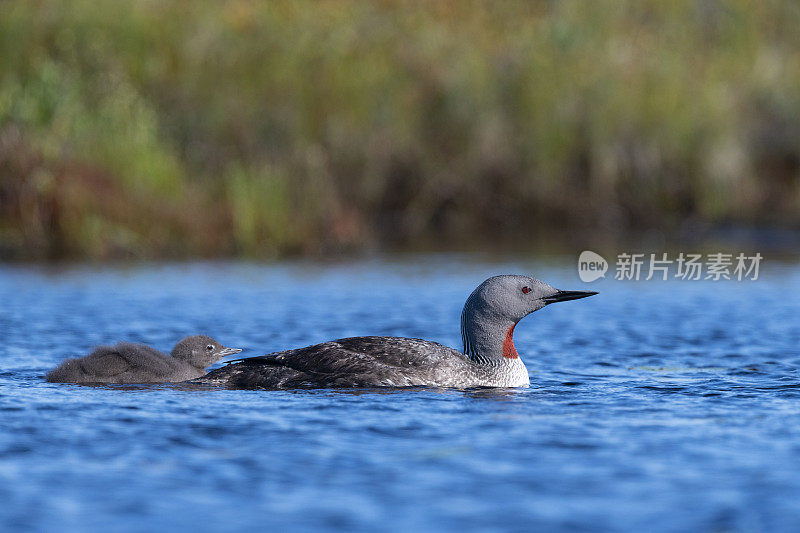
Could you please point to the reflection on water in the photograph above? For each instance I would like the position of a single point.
(668, 406)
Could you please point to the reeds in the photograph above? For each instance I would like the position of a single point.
(152, 129)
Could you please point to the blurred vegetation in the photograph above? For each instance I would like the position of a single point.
(186, 128)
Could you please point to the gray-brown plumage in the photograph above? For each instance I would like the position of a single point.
(489, 358)
(137, 363)
(352, 362)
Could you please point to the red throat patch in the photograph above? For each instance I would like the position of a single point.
(509, 351)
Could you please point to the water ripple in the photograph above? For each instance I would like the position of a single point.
(653, 406)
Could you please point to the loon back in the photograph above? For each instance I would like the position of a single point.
(350, 362)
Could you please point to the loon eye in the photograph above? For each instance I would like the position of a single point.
(526, 290)
(209, 347)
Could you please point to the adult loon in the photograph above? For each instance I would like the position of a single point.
(137, 363)
(488, 359)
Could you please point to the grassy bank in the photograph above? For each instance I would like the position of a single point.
(155, 129)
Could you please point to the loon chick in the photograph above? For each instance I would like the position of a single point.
(488, 359)
(137, 363)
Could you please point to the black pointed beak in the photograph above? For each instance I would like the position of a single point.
(565, 296)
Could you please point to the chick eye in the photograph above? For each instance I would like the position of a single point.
(526, 290)
(209, 347)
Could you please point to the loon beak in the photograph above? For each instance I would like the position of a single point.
(565, 296)
(225, 352)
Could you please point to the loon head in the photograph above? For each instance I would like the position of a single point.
(495, 307)
(201, 351)
(513, 297)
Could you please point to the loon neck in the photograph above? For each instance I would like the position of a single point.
(487, 340)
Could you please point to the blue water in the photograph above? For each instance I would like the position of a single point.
(658, 406)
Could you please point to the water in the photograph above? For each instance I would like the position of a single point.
(659, 406)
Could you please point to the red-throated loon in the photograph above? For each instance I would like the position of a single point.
(137, 363)
(489, 358)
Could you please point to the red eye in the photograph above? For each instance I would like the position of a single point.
(526, 290)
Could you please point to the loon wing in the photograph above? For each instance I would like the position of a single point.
(358, 354)
(350, 362)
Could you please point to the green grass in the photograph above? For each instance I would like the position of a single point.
(161, 129)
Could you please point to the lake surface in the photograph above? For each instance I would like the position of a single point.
(658, 406)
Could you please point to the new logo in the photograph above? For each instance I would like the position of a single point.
(591, 266)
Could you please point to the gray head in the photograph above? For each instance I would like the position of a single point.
(498, 303)
(201, 351)
(514, 297)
